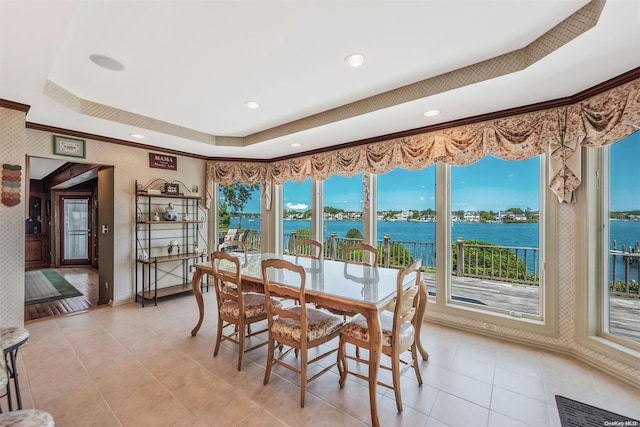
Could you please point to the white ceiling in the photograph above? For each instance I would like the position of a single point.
(192, 64)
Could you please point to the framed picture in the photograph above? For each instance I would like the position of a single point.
(171, 188)
(65, 146)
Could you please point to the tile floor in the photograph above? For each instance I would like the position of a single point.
(133, 366)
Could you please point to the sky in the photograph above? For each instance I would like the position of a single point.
(490, 184)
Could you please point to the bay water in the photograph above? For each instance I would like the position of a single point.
(522, 235)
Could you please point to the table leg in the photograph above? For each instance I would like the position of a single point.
(195, 284)
(422, 308)
(375, 350)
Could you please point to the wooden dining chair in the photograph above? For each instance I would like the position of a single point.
(297, 326)
(236, 309)
(361, 253)
(235, 247)
(309, 248)
(398, 333)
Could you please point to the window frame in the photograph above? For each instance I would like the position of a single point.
(546, 323)
(593, 246)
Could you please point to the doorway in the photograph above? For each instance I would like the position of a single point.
(76, 230)
(76, 251)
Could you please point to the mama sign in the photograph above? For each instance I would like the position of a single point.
(162, 161)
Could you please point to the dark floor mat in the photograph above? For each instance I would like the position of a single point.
(578, 414)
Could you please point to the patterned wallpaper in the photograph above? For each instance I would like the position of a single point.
(12, 143)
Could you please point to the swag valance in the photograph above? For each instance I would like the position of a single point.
(597, 121)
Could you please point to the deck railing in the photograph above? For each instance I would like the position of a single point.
(503, 263)
(625, 270)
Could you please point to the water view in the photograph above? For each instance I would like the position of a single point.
(504, 234)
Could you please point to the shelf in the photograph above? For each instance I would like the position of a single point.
(167, 258)
(163, 292)
(157, 274)
(168, 196)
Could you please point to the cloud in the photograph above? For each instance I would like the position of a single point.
(297, 206)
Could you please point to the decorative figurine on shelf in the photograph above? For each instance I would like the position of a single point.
(170, 213)
(186, 217)
(156, 216)
(172, 243)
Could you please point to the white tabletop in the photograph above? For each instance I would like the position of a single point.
(360, 283)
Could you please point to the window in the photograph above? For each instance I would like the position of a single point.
(239, 213)
(495, 235)
(342, 213)
(297, 212)
(406, 215)
(621, 315)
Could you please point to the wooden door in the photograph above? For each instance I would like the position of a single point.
(76, 230)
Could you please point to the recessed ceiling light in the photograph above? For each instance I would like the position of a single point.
(296, 144)
(137, 135)
(252, 104)
(431, 113)
(106, 62)
(355, 59)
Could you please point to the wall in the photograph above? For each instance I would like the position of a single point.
(12, 150)
(130, 164)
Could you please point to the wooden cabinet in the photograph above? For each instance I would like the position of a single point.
(169, 240)
(37, 248)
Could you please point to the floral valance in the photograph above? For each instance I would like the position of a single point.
(597, 121)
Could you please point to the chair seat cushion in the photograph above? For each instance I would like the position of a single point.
(13, 335)
(230, 289)
(253, 306)
(357, 328)
(320, 324)
(27, 418)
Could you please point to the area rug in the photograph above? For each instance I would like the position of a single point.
(578, 414)
(46, 285)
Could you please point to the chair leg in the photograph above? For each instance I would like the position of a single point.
(267, 371)
(241, 345)
(303, 376)
(416, 366)
(220, 325)
(395, 372)
(12, 373)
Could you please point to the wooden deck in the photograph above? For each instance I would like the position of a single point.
(624, 311)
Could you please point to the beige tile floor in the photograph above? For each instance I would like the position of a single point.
(133, 366)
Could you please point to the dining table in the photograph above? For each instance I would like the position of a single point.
(333, 284)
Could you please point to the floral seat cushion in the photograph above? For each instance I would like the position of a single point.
(253, 306)
(320, 324)
(358, 328)
(230, 289)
